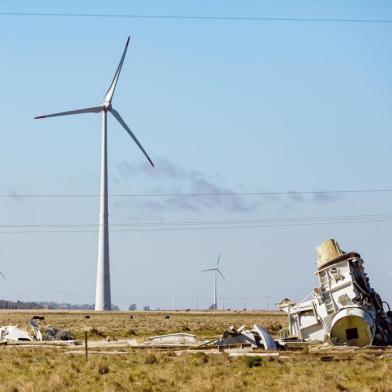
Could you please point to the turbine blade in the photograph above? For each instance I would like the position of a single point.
(210, 269)
(2, 275)
(116, 114)
(94, 109)
(221, 274)
(217, 262)
(110, 92)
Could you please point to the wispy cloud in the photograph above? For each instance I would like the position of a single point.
(183, 183)
(15, 196)
(188, 182)
(325, 198)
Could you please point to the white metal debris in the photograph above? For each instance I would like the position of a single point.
(256, 337)
(36, 330)
(265, 338)
(173, 339)
(345, 309)
(254, 355)
(14, 333)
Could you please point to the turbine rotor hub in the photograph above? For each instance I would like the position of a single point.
(107, 106)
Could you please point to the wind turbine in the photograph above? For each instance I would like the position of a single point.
(216, 272)
(103, 296)
(3, 276)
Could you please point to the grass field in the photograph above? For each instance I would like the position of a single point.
(141, 324)
(53, 369)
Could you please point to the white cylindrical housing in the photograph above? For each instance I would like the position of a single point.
(352, 326)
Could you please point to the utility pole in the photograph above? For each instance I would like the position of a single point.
(268, 298)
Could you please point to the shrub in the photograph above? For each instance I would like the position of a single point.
(253, 361)
(151, 359)
(200, 358)
(102, 369)
(95, 332)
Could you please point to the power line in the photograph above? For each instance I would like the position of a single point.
(228, 194)
(199, 17)
(361, 219)
(210, 222)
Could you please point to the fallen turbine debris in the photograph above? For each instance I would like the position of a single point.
(51, 333)
(258, 337)
(173, 339)
(12, 333)
(345, 309)
(265, 338)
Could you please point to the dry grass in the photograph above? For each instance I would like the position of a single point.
(134, 324)
(50, 369)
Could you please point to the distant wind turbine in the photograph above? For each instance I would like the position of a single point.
(2, 275)
(216, 272)
(103, 295)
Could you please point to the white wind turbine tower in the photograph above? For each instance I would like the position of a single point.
(103, 296)
(216, 272)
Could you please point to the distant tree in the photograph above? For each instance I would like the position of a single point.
(212, 307)
(147, 307)
(132, 307)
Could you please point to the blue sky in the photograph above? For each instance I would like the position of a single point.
(220, 106)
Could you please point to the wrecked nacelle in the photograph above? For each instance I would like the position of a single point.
(344, 309)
